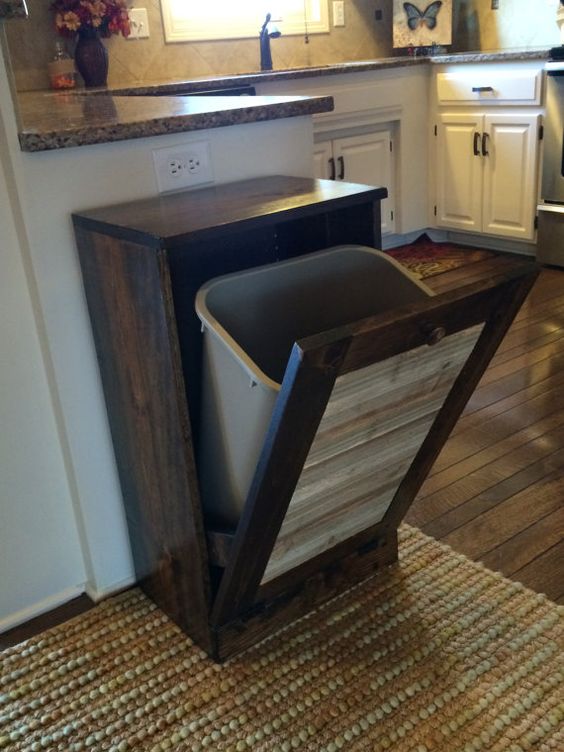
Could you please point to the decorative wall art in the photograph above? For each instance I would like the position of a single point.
(422, 23)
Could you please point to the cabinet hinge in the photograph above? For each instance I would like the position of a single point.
(436, 130)
(536, 222)
(541, 132)
(435, 210)
(391, 145)
(392, 215)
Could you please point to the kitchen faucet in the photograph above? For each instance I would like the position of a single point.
(267, 33)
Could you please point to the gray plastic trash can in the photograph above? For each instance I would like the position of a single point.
(250, 321)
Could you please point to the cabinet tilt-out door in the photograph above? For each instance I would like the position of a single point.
(363, 412)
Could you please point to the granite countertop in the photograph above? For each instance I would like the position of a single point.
(536, 53)
(355, 66)
(57, 120)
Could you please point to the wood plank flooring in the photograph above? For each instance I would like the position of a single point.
(496, 492)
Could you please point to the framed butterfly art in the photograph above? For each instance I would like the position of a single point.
(421, 23)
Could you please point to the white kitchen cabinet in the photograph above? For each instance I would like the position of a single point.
(485, 147)
(367, 158)
(487, 172)
(367, 103)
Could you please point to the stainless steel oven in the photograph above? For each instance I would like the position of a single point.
(550, 244)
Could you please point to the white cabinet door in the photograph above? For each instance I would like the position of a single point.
(510, 177)
(369, 159)
(323, 167)
(459, 172)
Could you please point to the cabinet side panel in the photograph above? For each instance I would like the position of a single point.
(128, 294)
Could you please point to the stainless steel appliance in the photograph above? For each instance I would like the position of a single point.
(550, 248)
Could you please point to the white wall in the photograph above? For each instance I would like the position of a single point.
(50, 186)
(41, 562)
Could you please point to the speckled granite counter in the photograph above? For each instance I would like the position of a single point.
(53, 120)
(541, 53)
(242, 79)
(356, 66)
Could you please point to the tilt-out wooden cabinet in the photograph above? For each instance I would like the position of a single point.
(375, 399)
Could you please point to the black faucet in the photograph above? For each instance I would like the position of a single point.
(266, 34)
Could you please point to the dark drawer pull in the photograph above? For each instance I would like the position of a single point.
(342, 172)
(480, 89)
(477, 144)
(332, 166)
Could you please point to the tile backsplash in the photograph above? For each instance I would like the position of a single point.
(31, 45)
(476, 26)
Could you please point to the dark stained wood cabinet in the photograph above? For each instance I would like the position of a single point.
(142, 264)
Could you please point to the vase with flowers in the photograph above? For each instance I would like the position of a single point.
(89, 21)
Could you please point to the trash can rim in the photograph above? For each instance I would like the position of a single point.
(213, 326)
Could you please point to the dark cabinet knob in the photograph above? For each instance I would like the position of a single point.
(434, 334)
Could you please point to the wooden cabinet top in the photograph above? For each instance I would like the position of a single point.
(172, 219)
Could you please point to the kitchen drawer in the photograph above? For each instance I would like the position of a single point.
(489, 87)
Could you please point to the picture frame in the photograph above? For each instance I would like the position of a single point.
(422, 23)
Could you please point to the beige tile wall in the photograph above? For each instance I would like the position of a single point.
(517, 23)
(31, 45)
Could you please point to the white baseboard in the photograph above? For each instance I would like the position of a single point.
(394, 240)
(491, 243)
(96, 594)
(59, 599)
(39, 608)
(475, 240)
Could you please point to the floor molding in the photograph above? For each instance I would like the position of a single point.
(95, 594)
(475, 240)
(40, 608)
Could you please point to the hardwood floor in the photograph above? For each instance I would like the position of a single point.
(496, 492)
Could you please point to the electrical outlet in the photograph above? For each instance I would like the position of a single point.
(183, 166)
(139, 23)
(338, 13)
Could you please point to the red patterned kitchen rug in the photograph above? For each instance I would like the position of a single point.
(425, 258)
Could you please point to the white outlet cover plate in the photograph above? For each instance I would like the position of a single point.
(183, 166)
(338, 13)
(139, 22)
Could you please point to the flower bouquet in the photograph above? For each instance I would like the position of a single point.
(106, 17)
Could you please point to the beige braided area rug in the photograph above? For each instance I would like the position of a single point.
(435, 653)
